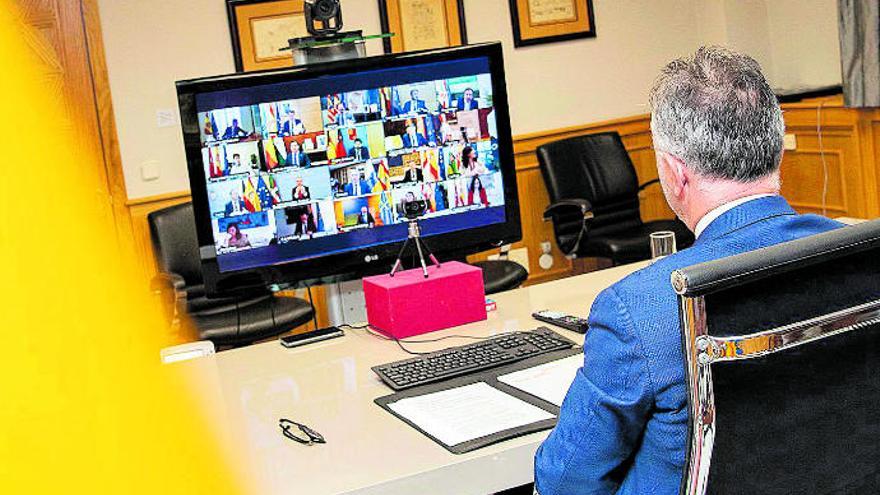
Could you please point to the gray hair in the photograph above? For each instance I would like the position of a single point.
(715, 111)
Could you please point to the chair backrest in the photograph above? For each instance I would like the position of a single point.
(175, 245)
(782, 349)
(595, 167)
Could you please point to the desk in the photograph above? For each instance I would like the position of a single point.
(330, 387)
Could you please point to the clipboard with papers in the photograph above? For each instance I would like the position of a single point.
(473, 411)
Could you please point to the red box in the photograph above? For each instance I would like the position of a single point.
(409, 304)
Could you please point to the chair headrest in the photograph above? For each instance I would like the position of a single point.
(724, 273)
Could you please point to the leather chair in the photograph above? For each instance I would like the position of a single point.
(226, 321)
(781, 351)
(594, 200)
(502, 274)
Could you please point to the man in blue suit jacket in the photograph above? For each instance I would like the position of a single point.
(414, 105)
(357, 185)
(717, 131)
(412, 138)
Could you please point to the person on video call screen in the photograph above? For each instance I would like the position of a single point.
(414, 105)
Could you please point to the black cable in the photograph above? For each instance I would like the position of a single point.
(314, 313)
(414, 353)
(400, 342)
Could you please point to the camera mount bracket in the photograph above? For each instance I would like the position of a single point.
(328, 42)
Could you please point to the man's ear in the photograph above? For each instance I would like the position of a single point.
(678, 177)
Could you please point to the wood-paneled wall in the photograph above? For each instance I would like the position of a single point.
(848, 149)
(833, 170)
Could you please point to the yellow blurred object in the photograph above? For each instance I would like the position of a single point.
(86, 406)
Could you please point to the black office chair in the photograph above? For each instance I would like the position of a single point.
(782, 350)
(227, 321)
(594, 200)
(502, 274)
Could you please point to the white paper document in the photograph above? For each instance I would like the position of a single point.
(465, 413)
(549, 381)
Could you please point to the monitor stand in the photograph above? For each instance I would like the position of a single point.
(346, 303)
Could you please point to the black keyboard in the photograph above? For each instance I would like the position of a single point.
(456, 361)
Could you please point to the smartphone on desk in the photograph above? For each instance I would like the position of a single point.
(313, 336)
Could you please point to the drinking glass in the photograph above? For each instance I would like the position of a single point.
(662, 244)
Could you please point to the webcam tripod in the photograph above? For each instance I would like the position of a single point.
(415, 234)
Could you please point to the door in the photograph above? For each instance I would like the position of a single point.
(65, 36)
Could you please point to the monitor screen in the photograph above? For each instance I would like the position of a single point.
(314, 165)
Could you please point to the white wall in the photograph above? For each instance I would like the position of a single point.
(150, 45)
(581, 81)
(748, 31)
(795, 41)
(805, 43)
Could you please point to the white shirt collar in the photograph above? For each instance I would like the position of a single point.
(720, 210)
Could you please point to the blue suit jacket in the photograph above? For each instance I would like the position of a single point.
(420, 141)
(419, 106)
(623, 425)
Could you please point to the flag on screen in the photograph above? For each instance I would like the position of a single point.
(386, 212)
(332, 109)
(214, 163)
(428, 194)
(384, 176)
(452, 165)
(273, 117)
(249, 194)
(440, 197)
(213, 132)
(226, 167)
(441, 164)
(264, 194)
(373, 184)
(273, 189)
(271, 154)
(385, 100)
(442, 94)
(279, 152)
(319, 219)
(431, 163)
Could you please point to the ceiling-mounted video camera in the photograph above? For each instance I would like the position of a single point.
(323, 17)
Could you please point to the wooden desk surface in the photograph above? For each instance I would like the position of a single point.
(329, 386)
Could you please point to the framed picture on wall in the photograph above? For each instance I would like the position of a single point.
(547, 21)
(422, 24)
(260, 29)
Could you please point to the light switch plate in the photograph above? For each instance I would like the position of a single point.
(150, 170)
(789, 142)
(166, 118)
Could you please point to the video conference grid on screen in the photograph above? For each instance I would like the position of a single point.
(296, 170)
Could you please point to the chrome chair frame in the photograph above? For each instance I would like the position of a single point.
(701, 350)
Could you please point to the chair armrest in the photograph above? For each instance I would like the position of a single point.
(584, 206)
(650, 182)
(169, 287)
(568, 210)
(167, 280)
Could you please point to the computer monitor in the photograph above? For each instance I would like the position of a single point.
(296, 173)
